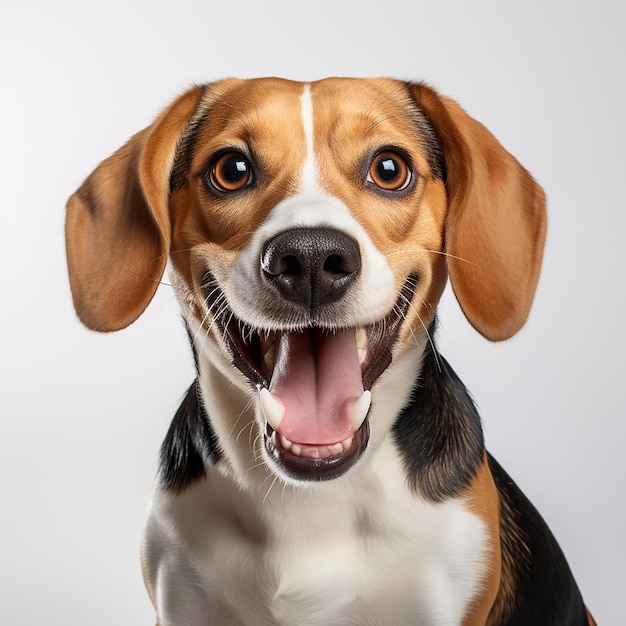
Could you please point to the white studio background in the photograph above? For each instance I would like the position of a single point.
(82, 415)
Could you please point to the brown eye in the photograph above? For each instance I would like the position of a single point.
(231, 172)
(389, 171)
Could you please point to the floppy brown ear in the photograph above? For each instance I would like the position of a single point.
(496, 223)
(117, 226)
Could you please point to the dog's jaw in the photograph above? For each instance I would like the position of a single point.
(245, 438)
(313, 384)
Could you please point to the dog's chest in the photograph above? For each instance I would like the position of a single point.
(352, 554)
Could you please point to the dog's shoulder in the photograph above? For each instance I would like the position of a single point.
(440, 439)
(537, 584)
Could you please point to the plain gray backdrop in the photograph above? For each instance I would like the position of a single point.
(82, 415)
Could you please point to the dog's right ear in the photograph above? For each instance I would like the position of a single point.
(117, 226)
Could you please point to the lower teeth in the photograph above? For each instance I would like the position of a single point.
(312, 452)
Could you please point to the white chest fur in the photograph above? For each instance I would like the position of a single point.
(358, 551)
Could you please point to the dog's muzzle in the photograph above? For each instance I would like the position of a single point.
(314, 382)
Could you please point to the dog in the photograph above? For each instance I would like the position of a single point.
(326, 466)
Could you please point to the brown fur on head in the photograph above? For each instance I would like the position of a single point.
(119, 222)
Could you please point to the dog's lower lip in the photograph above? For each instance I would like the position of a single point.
(304, 468)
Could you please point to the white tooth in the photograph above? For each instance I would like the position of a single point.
(362, 354)
(360, 336)
(362, 348)
(286, 444)
(358, 409)
(335, 449)
(273, 408)
(296, 449)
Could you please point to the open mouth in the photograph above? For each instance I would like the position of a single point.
(314, 384)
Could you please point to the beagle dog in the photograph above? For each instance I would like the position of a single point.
(326, 466)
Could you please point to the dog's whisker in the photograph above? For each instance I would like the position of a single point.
(412, 307)
(151, 279)
(255, 445)
(421, 250)
(269, 477)
(249, 424)
(260, 463)
(163, 305)
(270, 489)
(209, 284)
(207, 329)
(210, 294)
(431, 342)
(226, 325)
(221, 307)
(180, 251)
(201, 327)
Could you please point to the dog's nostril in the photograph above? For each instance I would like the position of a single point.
(291, 265)
(274, 264)
(337, 265)
(311, 266)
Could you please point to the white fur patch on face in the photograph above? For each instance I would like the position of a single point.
(310, 171)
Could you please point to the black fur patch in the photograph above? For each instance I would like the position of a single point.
(185, 149)
(545, 591)
(439, 433)
(189, 443)
(429, 138)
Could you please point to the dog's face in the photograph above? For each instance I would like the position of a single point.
(310, 230)
(314, 229)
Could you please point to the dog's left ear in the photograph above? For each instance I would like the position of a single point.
(117, 227)
(496, 223)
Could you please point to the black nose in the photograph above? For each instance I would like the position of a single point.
(311, 266)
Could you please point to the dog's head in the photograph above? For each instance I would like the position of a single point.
(310, 229)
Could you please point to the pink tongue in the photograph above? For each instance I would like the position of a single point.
(317, 375)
